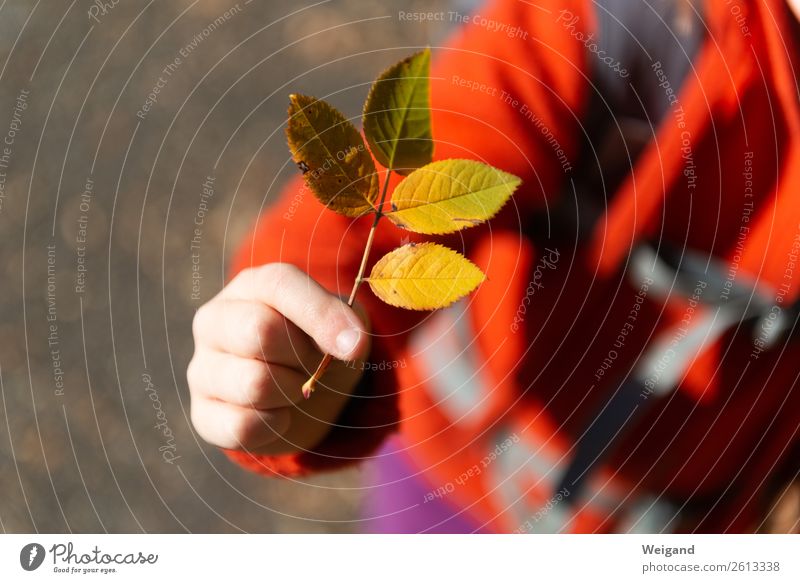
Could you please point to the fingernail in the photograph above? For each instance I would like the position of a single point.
(347, 340)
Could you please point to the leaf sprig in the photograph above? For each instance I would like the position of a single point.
(435, 198)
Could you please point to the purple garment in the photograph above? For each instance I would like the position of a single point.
(395, 498)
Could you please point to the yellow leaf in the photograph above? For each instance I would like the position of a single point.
(397, 116)
(450, 195)
(424, 276)
(331, 153)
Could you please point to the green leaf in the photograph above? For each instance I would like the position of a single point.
(335, 161)
(424, 276)
(397, 116)
(450, 195)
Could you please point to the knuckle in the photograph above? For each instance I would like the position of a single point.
(278, 276)
(201, 425)
(259, 328)
(319, 310)
(329, 310)
(193, 373)
(248, 273)
(201, 316)
(240, 430)
(246, 280)
(253, 382)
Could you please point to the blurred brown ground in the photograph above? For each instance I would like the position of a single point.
(88, 459)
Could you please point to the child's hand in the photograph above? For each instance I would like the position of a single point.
(256, 343)
(784, 513)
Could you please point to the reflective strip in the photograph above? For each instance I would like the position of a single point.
(525, 477)
(603, 494)
(703, 281)
(649, 515)
(444, 351)
(524, 481)
(665, 363)
(551, 521)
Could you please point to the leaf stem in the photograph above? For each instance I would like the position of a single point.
(311, 383)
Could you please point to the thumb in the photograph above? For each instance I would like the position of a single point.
(333, 325)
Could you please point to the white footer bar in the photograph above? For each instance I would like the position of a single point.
(390, 558)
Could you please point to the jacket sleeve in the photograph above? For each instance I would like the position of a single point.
(506, 91)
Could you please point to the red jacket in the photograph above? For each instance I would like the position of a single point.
(540, 329)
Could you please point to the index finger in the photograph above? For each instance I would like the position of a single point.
(329, 321)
